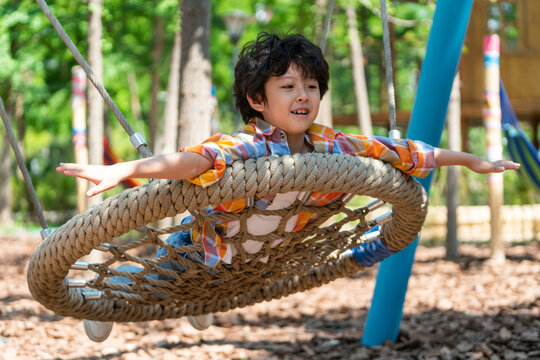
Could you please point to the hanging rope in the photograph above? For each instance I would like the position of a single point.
(389, 72)
(393, 19)
(136, 139)
(327, 21)
(27, 180)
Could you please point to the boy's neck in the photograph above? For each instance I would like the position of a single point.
(298, 145)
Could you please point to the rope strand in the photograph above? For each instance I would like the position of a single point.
(326, 27)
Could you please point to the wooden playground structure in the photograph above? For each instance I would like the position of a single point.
(519, 67)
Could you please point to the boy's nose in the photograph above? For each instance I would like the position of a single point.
(301, 96)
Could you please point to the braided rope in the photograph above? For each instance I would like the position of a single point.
(311, 259)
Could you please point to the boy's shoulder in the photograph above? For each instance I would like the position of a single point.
(323, 132)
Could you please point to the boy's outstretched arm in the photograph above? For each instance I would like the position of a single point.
(447, 157)
(181, 165)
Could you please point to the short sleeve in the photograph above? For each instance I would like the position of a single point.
(222, 150)
(412, 157)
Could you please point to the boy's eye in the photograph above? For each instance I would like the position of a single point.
(287, 86)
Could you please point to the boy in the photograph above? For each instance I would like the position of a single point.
(279, 83)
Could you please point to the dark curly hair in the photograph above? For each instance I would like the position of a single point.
(271, 55)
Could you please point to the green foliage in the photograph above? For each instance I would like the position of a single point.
(37, 65)
(473, 189)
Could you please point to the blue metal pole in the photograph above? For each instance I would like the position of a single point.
(443, 51)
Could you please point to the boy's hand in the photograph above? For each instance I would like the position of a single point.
(487, 167)
(105, 177)
(448, 158)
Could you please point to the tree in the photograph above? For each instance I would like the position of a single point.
(170, 113)
(5, 188)
(157, 53)
(195, 72)
(325, 109)
(363, 113)
(452, 175)
(95, 102)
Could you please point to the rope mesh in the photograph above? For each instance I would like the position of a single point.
(304, 260)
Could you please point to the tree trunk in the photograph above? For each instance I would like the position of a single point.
(170, 113)
(6, 200)
(324, 117)
(195, 70)
(6, 161)
(17, 114)
(452, 179)
(78, 124)
(325, 109)
(134, 100)
(95, 102)
(157, 53)
(363, 113)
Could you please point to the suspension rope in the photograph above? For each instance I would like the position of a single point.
(327, 21)
(27, 180)
(136, 139)
(389, 73)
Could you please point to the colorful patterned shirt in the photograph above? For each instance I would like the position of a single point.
(258, 138)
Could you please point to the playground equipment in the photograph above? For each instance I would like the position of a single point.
(519, 146)
(316, 257)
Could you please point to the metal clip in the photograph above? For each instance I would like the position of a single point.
(347, 198)
(374, 205)
(303, 196)
(370, 236)
(80, 265)
(384, 218)
(105, 247)
(45, 233)
(347, 253)
(92, 295)
(76, 283)
(137, 140)
(394, 134)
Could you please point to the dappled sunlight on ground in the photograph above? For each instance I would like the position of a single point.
(464, 309)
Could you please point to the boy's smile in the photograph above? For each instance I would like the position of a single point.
(292, 103)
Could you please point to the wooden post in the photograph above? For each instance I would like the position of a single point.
(78, 106)
(491, 114)
(452, 177)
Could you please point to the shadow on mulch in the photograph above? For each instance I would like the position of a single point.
(455, 334)
(467, 261)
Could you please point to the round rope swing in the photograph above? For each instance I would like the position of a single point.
(313, 256)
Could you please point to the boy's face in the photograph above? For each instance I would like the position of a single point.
(292, 102)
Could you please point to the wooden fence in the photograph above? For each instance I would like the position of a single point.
(520, 223)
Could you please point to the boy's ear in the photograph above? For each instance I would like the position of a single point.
(257, 105)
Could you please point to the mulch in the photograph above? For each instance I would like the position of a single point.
(470, 308)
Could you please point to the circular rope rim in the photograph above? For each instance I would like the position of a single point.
(51, 261)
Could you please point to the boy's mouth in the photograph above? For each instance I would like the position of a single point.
(300, 112)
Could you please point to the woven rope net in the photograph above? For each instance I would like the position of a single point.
(305, 259)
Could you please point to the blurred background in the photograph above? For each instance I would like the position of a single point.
(169, 68)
